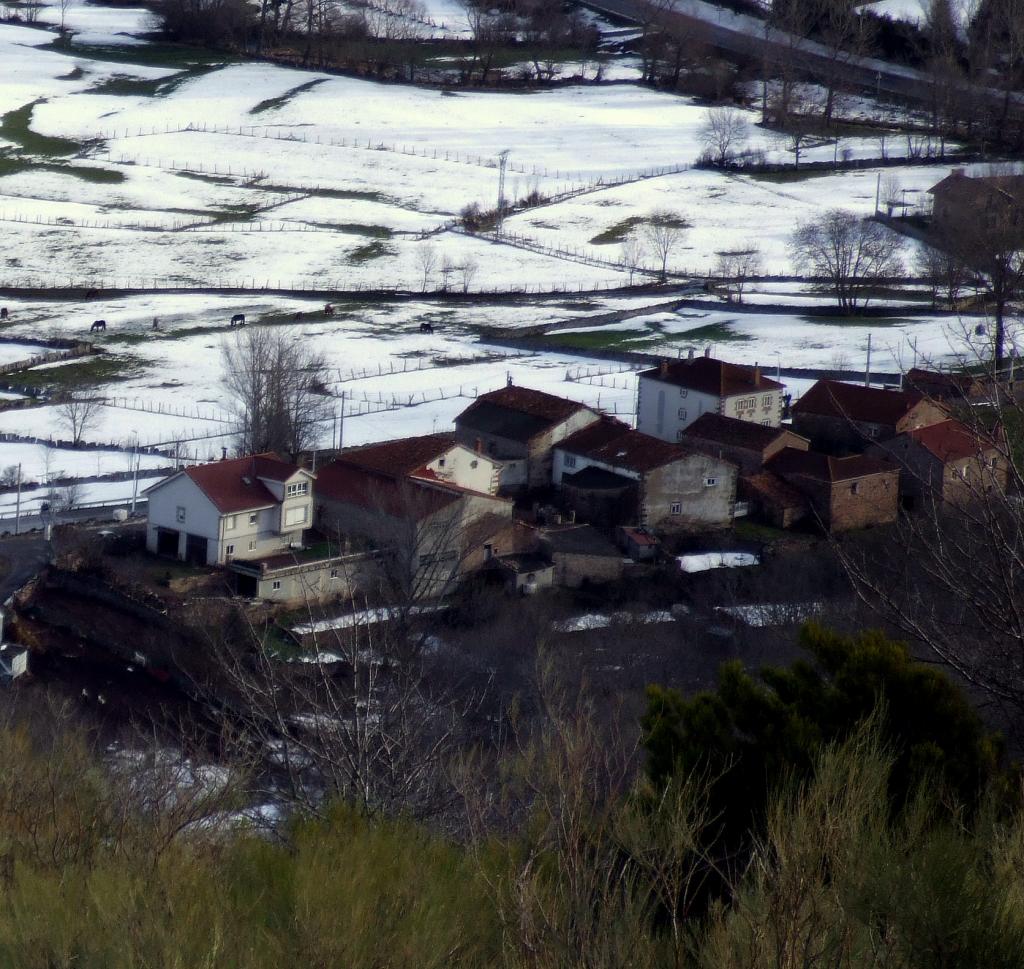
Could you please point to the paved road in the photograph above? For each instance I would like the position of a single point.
(21, 558)
(742, 35)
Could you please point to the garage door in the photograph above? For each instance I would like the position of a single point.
(167, 542)
(195, 549)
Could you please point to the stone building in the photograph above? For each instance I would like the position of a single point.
(745, 443)
(843, 418)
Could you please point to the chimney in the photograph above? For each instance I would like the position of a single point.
(223, 454)
(663, 368)
(508, 378)
(707, 351)
(478, 445)
(757, 375)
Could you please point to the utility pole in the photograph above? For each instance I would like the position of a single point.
(502, 163)
(867, 365)
(17, 506)
(341, 422)
(135, 474)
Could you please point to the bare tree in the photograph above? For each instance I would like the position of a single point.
(65, 6)
(735, 270)
(724, 131)
(426, 260)
(632, 251)
(850, 252)
(467, 272)
(79, 414)
(276, 386)
(944, 272)
(663, 232)
(448, 267)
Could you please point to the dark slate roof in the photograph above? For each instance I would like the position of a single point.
(234, 485)
(401, 457)
(612, 442)
(517, 413)
(824, 467)
(957, 183)
(597, 479)
(950, 441)
(710, 376)
(940, 385)
(830, 398)
(579, 540)
(733, 432)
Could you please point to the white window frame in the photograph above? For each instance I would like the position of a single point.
(290, 521)
(254, 517)
(676, 508)
(179, 513)
(766, 400)
(683, 391)
(229, 550)
(276, 585)
(297, 488)
(229, 522)
(682, 413)
(570, 460)
(252, 546)
(710, 481)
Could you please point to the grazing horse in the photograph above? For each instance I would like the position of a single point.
(3, 313)
(238, 319)
(98, 325)
(426, 328)
(328, 310)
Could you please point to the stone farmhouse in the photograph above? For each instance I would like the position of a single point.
(961, 200)
(676, 393)
(519, 427)
(843, 418)
(612, 475)
(947, 462)
(244, 508)
(842, 493)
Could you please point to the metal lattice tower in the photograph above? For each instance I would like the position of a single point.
(502, 164)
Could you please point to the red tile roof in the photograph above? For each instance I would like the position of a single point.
(1011, 187)
(234, 485)
(710, 376)
(824, 467)
(734, 432)
(616, 444)
(401, 457)
(381, 492)
(830, 398)
(950, 441)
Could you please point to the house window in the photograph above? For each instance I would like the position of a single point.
(440, 462)
(994, 463)
(334, 573)
(855, 488)
(766, 400)
(748, 403)
(570, 460)
(276, 586)
(252, 518)
(295, 516)
(229, 523)
(298, 488)
(682, 413)
(474, 463)
(676, 508)
(180, 514)
(679, 435)
(230, 550)
(710, 482)
(683, 391)
(252, 546)
(767, 423)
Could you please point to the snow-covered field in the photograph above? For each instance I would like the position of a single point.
(266, 176)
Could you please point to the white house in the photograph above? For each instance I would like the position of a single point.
(245, 508)
(672, 396)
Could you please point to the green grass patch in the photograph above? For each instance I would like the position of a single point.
(618, 232)
(373, 250)
(91, 371)
(11, 165)
(173, 56)
(711, 333)
(16, 126)
(356, 229)
(854, 320)
(282, 99)
(783, 178)
(595, 339)
(214, 179)
(328, 193)
(758, 532)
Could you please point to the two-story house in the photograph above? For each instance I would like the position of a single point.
(673, 395)
(743, 442)
(610, 474)
(244, 508)
(841, 418)
(519, 427)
